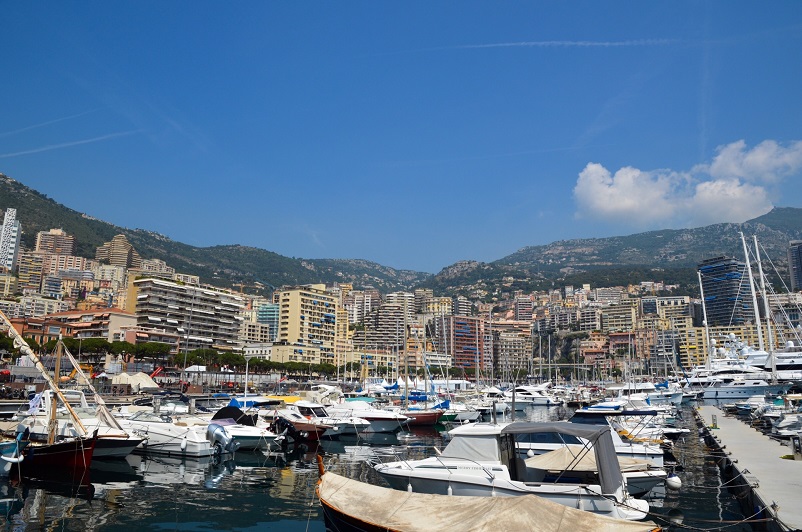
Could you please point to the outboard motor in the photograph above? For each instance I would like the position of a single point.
(221, 440)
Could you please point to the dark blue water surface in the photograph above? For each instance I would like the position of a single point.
(255, 491)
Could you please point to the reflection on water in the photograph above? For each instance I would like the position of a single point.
(255, 490)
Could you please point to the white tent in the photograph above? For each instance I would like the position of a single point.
(138, 381)
(195, 369)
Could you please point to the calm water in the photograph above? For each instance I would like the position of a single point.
(253, 491)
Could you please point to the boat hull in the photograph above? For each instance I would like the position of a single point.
(423, 418)
(58, 458)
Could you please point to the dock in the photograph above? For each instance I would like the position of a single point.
(775, 483)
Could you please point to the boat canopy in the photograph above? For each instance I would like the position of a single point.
(610, 475)
(345, 500)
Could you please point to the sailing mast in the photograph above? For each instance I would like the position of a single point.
(754, 295)
(770, 359)
(704, 318)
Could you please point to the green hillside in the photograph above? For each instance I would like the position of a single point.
(223, 265)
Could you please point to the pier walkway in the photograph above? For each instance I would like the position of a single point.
(777, 482)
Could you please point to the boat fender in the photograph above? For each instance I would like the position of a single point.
(184, 444)
(450, 491)
(673, 482)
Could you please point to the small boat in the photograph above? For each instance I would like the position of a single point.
(381, 420)
(352, 505)
(422, 417)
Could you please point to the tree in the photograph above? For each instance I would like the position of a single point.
(120, 348)
(151, 350)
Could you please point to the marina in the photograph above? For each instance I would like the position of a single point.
(254, 490)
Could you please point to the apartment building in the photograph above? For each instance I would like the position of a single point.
(204, 317)
(307, 325)
(105, 323)
(56, 242)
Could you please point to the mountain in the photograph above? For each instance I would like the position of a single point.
(669, 255)
(225, 265)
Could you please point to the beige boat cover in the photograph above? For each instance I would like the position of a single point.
(576, 458)
(410, 512)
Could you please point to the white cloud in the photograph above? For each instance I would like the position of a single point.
(733, 188)
(767, 162)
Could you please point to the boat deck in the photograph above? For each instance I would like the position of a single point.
(776, 481)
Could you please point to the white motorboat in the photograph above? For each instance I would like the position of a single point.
(743, 389)
(531, 395)
(164, 436)
(482, 459)
(338, 425)
(380, 420)
(654, 394)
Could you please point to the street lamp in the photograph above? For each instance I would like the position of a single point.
(247, 359)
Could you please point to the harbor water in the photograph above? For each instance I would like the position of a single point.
(255, 491)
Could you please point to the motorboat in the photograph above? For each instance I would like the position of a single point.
(655, 394)
(380, 420)
(743, 389)
(482, 459)
(532, 395)
(163, 435)
(336, 425)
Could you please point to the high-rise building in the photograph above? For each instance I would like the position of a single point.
(31, 270)
(795, 264)
(267, 313)
(726, 292)
(119, 252)
(307, 325)
(10, 234)
(55, 241)
(524, 307)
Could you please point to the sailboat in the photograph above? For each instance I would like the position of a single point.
(53, 457)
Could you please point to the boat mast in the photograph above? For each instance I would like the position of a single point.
(767, 309)
(704, 318)
(754, 295)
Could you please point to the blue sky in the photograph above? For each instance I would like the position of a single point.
(413, 134)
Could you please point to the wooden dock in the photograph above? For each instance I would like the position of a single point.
(776, 482)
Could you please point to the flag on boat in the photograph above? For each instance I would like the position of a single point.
(36, 402)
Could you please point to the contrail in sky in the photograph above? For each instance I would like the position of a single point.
(67, 144)
(571, 44)
(57, 120)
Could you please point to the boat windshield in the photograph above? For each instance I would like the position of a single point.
(150, 417)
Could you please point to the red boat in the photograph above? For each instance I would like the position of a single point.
(43, 460)
(426, 418)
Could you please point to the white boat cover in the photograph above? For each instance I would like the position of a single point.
(138, 381)
(578, 458)
(411, 512)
